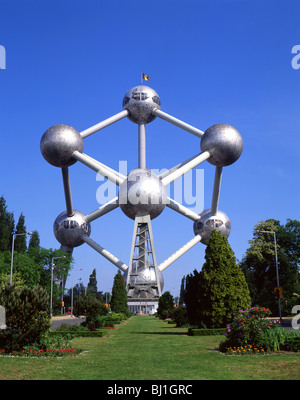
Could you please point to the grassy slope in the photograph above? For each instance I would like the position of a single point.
(146, 348)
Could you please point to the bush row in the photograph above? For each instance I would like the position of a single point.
(76, 333)
(206, 332)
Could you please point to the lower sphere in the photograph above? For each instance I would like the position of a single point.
(207, 223)
(141, 284)
(142, 193)
(69, 231)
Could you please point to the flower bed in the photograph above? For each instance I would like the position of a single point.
(252, 333)
(41, 352)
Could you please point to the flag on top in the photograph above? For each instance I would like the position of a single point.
(145, 77)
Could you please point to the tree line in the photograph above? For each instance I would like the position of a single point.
(32, 264)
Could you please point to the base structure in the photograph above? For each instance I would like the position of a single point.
(142, 307)
(144, 281)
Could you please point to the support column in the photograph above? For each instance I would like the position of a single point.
(67, 189)
(143, 280)
(142, 146)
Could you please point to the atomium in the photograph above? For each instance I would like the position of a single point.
(142, 194)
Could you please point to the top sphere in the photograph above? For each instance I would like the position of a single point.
(140, 101)
(58, 144)
(224, 142)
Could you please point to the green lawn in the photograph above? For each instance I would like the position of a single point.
(146, 348)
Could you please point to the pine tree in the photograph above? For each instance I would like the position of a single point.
(92, 285)
(118, 302)
(220, 289)
(34, 240)
(7, 225)
(20, 241)
(182, 290)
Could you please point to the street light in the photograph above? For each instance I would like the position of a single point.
(80, 269)
(52, 268)
(276, 263)
(12, 251)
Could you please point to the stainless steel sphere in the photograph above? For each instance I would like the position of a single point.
(207, 223)
(145, 275)
(140, 101)
(142, 193)
(58, 144)
(225, 142)
(143, 284)
(70, 230)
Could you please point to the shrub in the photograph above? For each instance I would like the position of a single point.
(249, 329)
(165, 306)
(90, 307)
(68, 335)
(27, 316)
(206, 332)
(291, 344)
(180, 316)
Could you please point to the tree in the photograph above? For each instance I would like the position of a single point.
(7, 225)
(259, 263)
(118, 302)
(20, 241)
(165, 305)
(219, 290)
(92, 285)
(43, 257)
(34, 240)
(182, 290)
(23, 264)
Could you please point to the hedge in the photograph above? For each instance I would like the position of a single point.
(79, 333)
(206, 332)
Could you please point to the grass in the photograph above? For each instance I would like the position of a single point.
(146, 348)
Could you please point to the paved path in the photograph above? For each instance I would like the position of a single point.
(67, 319)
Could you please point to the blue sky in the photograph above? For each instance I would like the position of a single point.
(209, 61)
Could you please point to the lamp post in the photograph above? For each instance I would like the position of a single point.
(276, 264)
(12, 251)
(80, 269)
(52, 268)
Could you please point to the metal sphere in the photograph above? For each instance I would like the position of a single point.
(143, 281)
(140, 101)
(225, 142)
(142, 193)
(207, 223)
(58, 144)
(70, 230)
